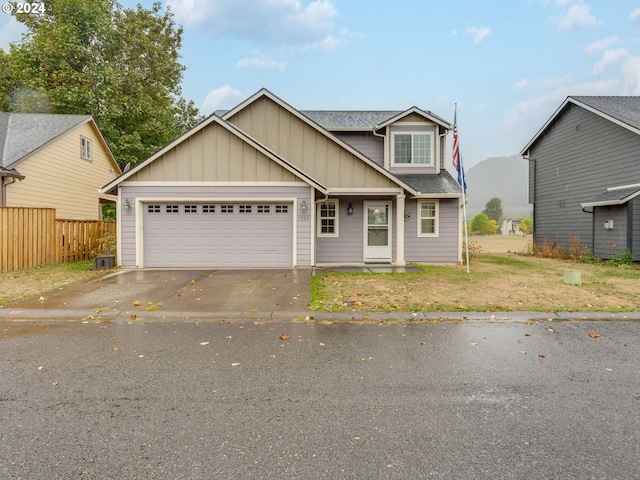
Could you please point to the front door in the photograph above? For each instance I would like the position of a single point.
(377, 231)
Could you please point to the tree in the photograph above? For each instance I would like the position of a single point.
(118, 64)
(482, 224)
(493, 210)
(526, 225)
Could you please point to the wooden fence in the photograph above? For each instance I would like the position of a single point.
(31, 237)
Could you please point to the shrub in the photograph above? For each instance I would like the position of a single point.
(625, 258)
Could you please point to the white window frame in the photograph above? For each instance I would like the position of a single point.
(335, 219)
(86, 148)
(413, 133)
(436, 218)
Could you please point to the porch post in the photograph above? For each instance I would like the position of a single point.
(400, 230)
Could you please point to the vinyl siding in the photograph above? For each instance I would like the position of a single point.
(577, 158)
(366, 143)
(309, 149)
(610, 242)
(216, 155)
(56, 176)
(193, 193)
(440, 249)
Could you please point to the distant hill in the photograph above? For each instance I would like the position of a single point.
(502, 177)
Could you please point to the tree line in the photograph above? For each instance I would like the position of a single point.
(95, 57)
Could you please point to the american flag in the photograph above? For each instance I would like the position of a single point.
(457, 158)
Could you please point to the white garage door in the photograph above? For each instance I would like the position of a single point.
(218, 235)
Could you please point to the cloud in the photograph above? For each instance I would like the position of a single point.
(578, 16)
(261, 61)
(221, 98)
(479, 34)
(635, 17)
(623, 67)
(272, 21)
(600, 45)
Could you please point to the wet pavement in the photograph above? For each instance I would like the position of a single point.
(277, 400)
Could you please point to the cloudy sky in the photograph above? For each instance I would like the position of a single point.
(508, 64)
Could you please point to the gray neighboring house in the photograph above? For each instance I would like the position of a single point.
(584, 175)
(266, 185)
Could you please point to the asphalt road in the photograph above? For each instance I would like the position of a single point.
(233, 400)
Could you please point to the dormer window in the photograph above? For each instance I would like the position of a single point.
(86, 148)
(415, 148)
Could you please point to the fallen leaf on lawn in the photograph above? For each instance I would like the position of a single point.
(593, 334)
(42, 299)
(192, 282)
(136, 303)
(285, 336)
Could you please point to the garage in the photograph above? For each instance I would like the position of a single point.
(218, 234)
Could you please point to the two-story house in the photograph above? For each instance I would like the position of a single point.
(266, 185)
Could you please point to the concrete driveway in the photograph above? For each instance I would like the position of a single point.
(175, 293)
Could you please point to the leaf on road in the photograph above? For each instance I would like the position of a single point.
(204, 343)
(522, 352)
(593, 334)
(473, 344)
(235, 364)
(363, 359)
(136, 303)
(285, 336)
(541, 355)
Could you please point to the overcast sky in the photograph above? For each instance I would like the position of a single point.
(507, 64)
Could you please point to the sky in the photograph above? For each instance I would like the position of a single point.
(508, 65)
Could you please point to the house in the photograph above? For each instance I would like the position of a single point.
(511, 227)
(584, 175)
(54, 161)
(266, 185)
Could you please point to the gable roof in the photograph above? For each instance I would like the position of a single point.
(266, 93)
(23, 133)
(621, 110)
(366, 120)
(233, 130)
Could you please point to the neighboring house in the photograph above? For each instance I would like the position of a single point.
(54, 161)
(511, 227)
(266, 185)
(584, 175)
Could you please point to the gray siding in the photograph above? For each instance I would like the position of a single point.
(635, 232)
(610, 242)
(577, 158)
(440, 249)
(366, 143)
(131, 192)
(349, 246)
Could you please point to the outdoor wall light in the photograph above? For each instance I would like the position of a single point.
(127, 204)
(350, 209)
(303, 206)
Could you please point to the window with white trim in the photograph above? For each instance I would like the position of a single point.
(412, 148)
(86, 148)
(327, 215)
(428, 218)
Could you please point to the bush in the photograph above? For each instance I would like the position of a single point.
(625, 258)
(576, 251)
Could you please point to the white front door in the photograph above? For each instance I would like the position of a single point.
(377, 231)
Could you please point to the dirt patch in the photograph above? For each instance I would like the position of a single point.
(498, 281)
(36, 281)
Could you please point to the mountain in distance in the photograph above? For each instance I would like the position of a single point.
(503, 177)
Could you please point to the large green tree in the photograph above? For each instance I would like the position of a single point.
(482, 224)
(493, 210)
(95, 57)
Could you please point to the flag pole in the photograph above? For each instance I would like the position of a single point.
(457, 163)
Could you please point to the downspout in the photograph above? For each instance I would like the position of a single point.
(383, 136)
(530, 160)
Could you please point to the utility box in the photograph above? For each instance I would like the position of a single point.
(105, 262)
(573, 277)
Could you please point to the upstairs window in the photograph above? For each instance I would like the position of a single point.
(413, 149)
(86, 148)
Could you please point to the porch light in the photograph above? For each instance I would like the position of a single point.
(303, 206)
(127, 204)
(350, 209)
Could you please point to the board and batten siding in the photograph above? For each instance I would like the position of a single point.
(56, 176)
(203, 193)
(213, 154)
(577, 158)
(312, 151)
